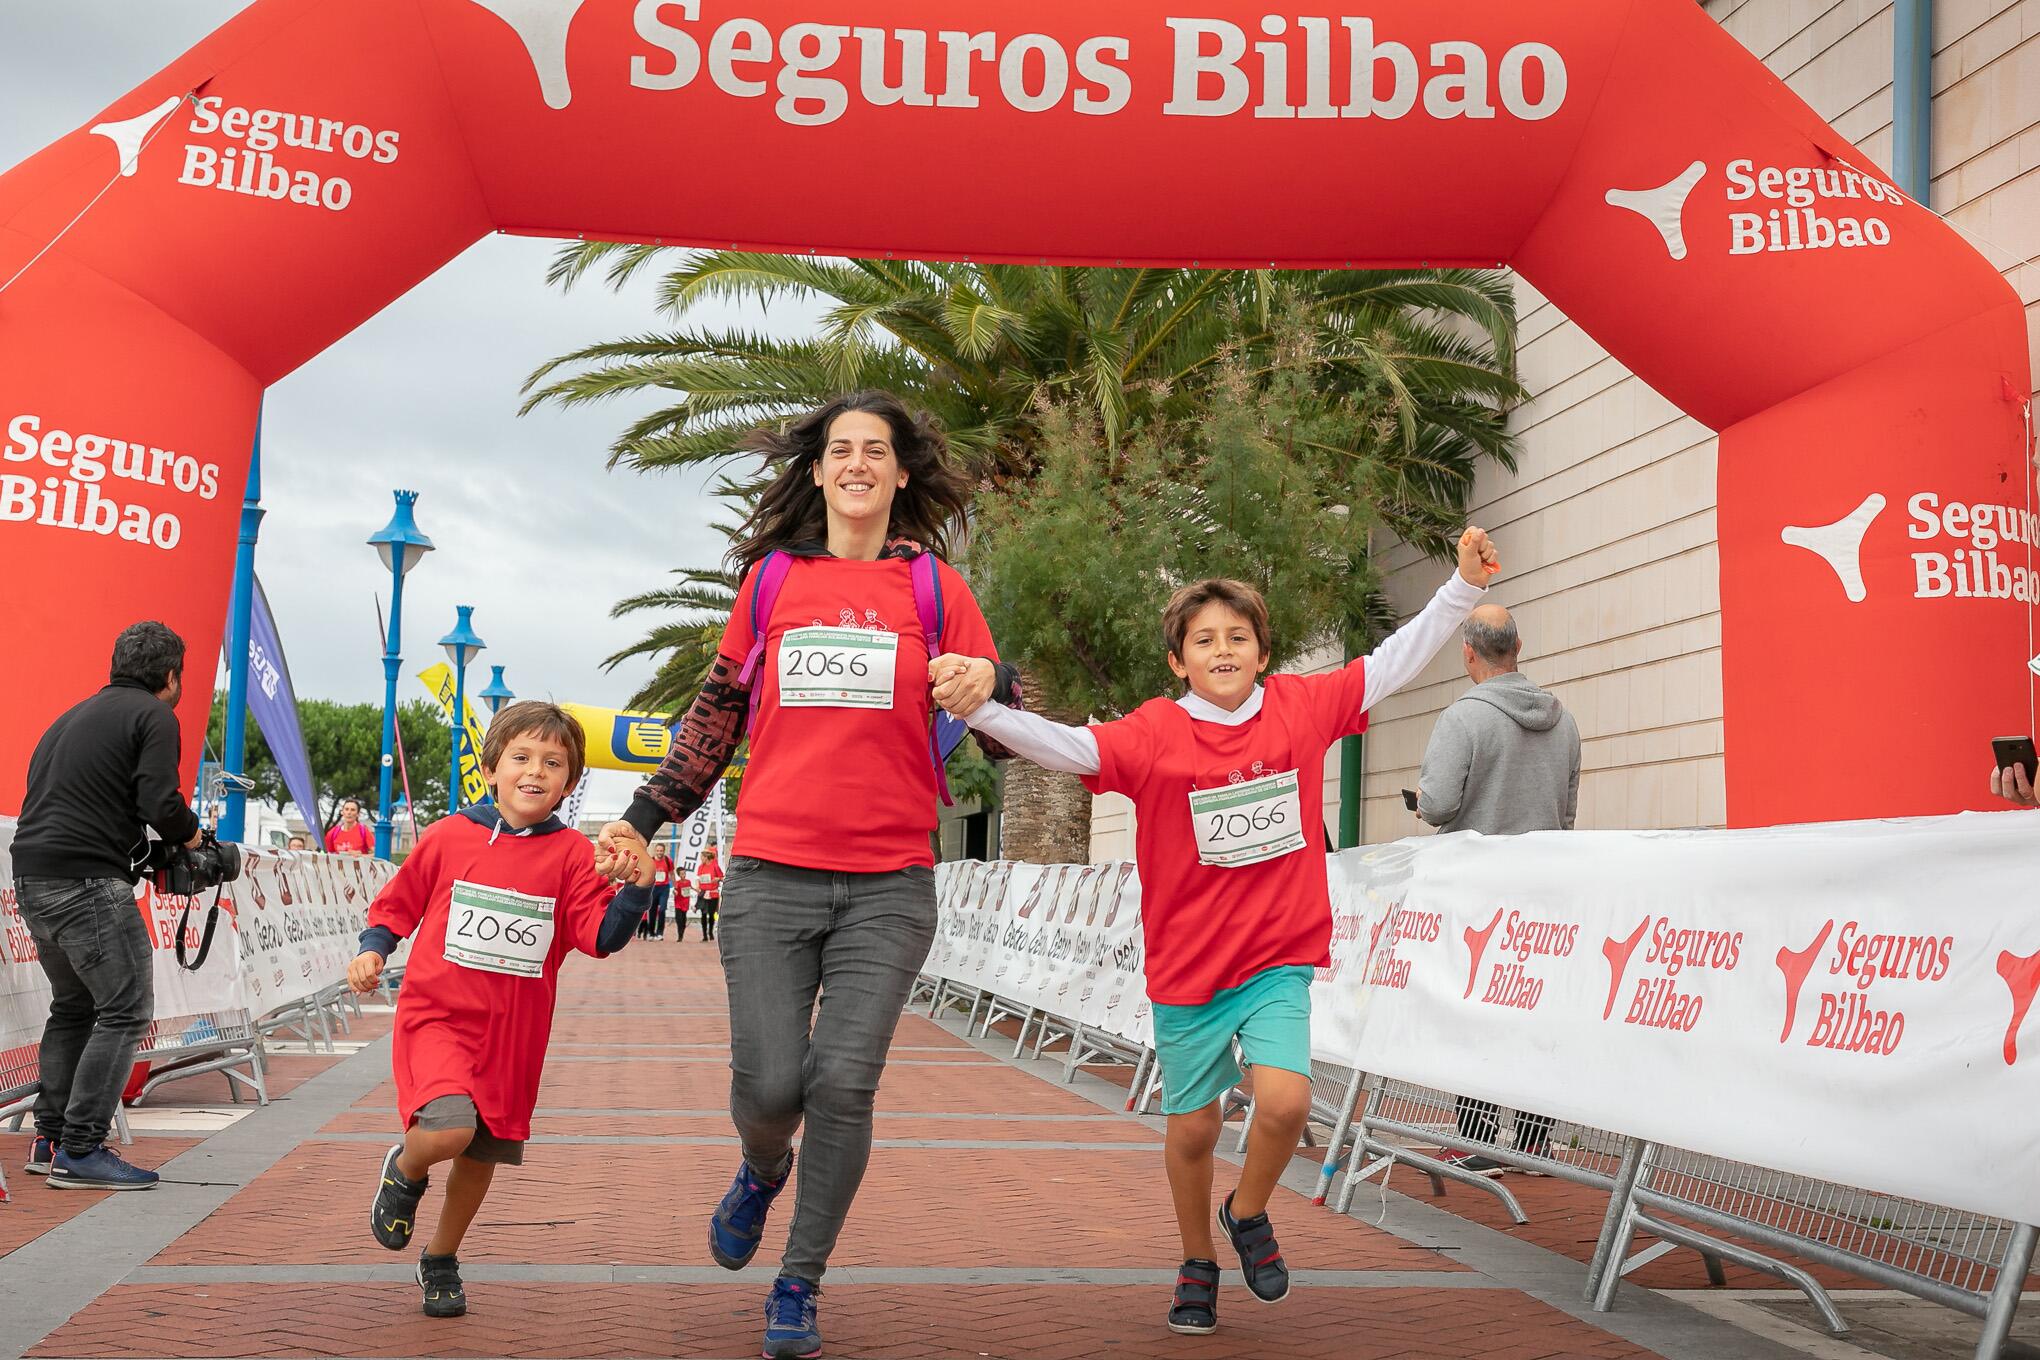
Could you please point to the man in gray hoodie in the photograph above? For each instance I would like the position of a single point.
(1504, 758)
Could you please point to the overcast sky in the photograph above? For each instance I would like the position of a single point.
(424, 396)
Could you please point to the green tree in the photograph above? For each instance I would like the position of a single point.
(343, 743)
(1426, 354)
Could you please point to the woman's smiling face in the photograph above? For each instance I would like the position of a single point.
(859, 472)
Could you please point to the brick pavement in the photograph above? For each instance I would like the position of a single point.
(1003, 1216)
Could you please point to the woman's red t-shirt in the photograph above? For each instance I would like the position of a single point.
(846, 788)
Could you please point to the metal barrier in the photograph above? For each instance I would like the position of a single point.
(188, 1046)
(1969, 1262)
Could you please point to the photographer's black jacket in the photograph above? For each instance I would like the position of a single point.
(100, 772)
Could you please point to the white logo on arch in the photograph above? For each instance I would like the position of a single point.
(1663, 207)
(543, 25)
(1840, 544)
(128, 135)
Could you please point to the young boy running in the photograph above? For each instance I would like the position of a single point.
(1229, 815)
(494, 898)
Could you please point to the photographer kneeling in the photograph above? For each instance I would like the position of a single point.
(100, 773)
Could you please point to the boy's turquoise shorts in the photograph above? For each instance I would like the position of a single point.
(1269, 1014)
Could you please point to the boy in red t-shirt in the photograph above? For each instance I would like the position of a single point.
(1228, 795)
(493, 898)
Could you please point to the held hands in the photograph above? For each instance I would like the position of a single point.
(2012, 785)
(962, 683)
(1478, 560)
(621, 855)
(365, 973)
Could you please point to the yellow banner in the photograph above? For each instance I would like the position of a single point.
(439, 680)
(622, 738)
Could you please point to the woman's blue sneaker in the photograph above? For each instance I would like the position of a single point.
(739, 1220)
(39, 1154)
(100, 1169)
(790, 1330)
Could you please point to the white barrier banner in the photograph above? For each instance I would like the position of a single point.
(1847, 1001)
(287, 929)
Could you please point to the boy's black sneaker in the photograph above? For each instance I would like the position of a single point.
(395, 1211)
(1194, 1310)
(1260, 1256)
(439, 1277)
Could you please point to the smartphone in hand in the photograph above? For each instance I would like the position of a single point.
(2010, 751)
(1409, 799)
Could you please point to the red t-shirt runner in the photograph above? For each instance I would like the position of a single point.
(839, 787)
(462, 1029)
(1210, 927)
(357, 839)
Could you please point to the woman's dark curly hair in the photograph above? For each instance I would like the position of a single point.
(791, 509)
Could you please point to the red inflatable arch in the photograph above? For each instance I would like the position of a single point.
(313, 159)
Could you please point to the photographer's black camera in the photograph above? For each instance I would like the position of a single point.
(185, 871)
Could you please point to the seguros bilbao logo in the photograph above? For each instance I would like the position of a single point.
(1771, 209)
(1958, 548)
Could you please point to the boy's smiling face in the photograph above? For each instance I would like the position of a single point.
(1221, 658)
(529, 779)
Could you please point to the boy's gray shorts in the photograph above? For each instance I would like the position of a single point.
(458, 1112)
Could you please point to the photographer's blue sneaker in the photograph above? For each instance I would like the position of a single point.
(39, 1154)
(100, 1169)
(790, 1330)
(740, 1219)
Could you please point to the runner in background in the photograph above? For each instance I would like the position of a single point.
(831, 883)
(350, 835)
(494, 898)
(1229, 825)
(708, 877)
(662, 890)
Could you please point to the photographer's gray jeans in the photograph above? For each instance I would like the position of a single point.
(858, 940)
(96, 952)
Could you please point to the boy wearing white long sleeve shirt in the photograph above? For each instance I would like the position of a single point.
(1226, 789)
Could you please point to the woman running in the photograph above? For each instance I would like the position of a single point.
(830, 886)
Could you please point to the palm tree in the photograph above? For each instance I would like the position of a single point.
(983, 346)
(1417, 365)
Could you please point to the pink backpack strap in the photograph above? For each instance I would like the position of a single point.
(947, 729)
(764, 594)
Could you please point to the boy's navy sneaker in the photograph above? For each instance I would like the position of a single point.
(100, 1169)
(790, 1330)
(439, 1277)
(739, 1220)
(1194, 1310)
(1260, 1256)
(394, 1212)
(39, 1154)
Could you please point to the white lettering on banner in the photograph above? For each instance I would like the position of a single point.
(813, 72)
(1898, 962)
(73, 499)
(1802, 224)
(258, 162)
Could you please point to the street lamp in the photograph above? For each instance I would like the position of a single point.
(461, 645)
(401, 547)
(496, 694)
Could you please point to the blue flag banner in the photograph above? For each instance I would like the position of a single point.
(274, 705)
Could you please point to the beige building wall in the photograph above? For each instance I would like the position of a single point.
(1606, 528)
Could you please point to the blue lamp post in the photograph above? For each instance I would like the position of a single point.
(240, 609)
(496, 694)
(461, 646)
(401, 547)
